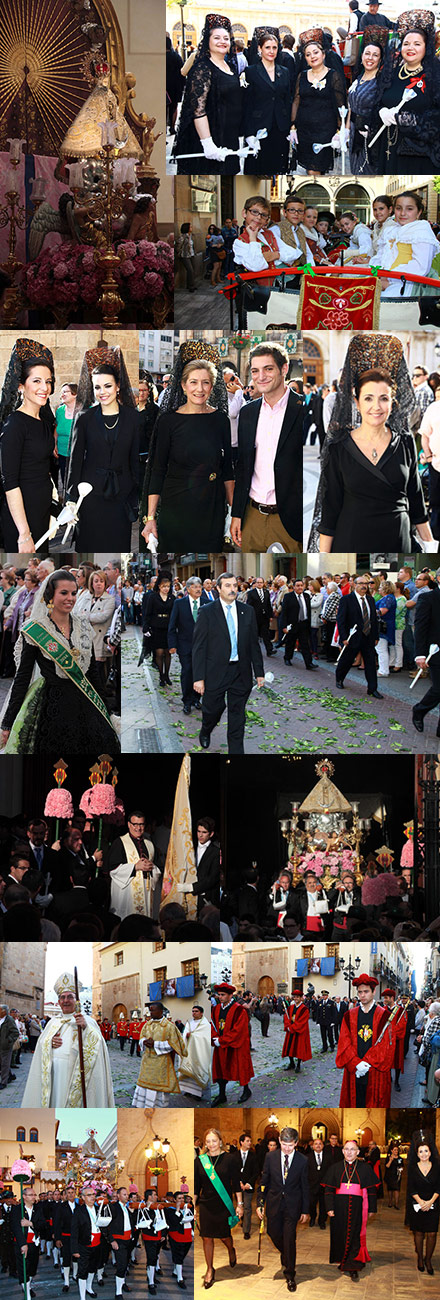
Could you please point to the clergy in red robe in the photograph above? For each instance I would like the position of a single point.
(350, 1197)
(399, 1025)
(366, 1062)
(231, 1040)
(297, 1040)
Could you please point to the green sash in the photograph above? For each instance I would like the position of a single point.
(220, 1189)
(65, 660)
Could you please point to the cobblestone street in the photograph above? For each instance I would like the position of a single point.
(49, 1280)
(125, 1070)
(297, 713)
(319, 1082)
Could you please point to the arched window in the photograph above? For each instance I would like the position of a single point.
(313, 362)
(33, 1135)
(21, 1134)
(355, 197)
(240, 31)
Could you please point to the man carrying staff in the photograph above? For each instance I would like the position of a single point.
(56, 1076)
(162, 1042)
(350, 1199)
(297, 1040)
(230, 1037)
(366, 1049)
(389, 998)
(285, 1193)
(26, 1233)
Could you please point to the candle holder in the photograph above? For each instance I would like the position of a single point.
(102, 208)
(12, 213)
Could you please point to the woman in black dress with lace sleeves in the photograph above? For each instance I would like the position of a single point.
(211, 112)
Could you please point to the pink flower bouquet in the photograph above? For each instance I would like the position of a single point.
(59, 803)
(21, 1170)
(102, 800)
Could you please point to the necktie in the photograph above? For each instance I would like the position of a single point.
(232, 633)
(286, 1168)
(194, 610)
(261, 594)
(39, 857)
(365, 617)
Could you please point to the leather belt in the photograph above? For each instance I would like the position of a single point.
(264, 510)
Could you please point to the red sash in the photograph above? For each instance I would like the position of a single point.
(30, 1235)
(95, 1239)
(354, 1189)
(121, 1236)
(314, 923)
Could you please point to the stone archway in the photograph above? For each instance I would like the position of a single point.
(330, 1121)
(266, 987)
(313, 362)
(138, 1166)
(120, 1007)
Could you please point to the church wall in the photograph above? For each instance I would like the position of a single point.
(138, 1128)
(143, 33)
(68, 348)
(22, 975)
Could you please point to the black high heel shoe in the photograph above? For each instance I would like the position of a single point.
(206, 1284)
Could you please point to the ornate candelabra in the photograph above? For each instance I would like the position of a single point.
(296, 839)
(106, 203)
(12, 213)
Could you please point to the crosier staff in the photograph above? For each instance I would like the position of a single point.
(80, 1042)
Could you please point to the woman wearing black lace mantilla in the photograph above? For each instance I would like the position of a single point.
(210, 120)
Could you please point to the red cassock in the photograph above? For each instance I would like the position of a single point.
(232, 1060)
(297, 1040)
(380, 1058)
(106, 1030)
(399, 1026)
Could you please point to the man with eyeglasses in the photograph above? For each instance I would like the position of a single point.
(259, 247)
(424, 394)
(132, 872)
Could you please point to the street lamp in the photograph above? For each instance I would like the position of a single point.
(349, 971)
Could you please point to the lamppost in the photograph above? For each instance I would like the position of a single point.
(181, 4)
(349, 971)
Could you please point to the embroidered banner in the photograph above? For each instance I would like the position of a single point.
(339, 303)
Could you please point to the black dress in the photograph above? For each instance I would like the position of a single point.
(26, 448)
(109, 460)
(369, 507)
(413, 144)
(218, 96)
(316, 118)
(393, 1174)
(62, 715)
(268, 104)
(191, 462)
(424, 1186)
(213, 1213)
(156, 615)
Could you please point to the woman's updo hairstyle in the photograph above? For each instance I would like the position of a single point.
(105, 368)
(60, 575)
(372, 377)
(199, 365)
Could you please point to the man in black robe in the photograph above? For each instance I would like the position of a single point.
(350, 1198)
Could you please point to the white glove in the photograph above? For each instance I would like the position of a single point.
(211, 150)
(254, 144)
(388, 116)
(361, 1069)
(293, 135)
(228, 521)
(216, 1042)
(185, 889)
(430, 548)
(336, 141)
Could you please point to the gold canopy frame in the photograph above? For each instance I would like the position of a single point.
(123, 83)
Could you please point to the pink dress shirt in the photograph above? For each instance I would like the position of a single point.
(270, 419)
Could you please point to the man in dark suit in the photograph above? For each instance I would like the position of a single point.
(318, 1159)
(341, 1006)
(207, 885)
(259, 599)
(285, 1193)
(296, 623)
(85, 1241)
(427, 633)
(62, 1227)
(122, 1237)
(225, 650)
(41, 856)
(358, 611)
(73, 901)
(27, 1236)
(268, 504)
(326, 1018)
(247, 1164)
(181, 627)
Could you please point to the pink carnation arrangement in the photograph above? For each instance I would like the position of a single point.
(146, 270)
(84, 802)
(69, 274)
(407, 854)
(102, 800)
(376, 889)
(59, 803)
(21, 1170)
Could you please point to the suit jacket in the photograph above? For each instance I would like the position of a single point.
(316, 1175)
(249, 903)
(293, 1195)
(8, 1034)
(207, 884)
(427, 624)
(117, 1224)
(212, 646)
(251, 1171)
(290, 610)
(181, 625)
(288, 463)
(111, 465)
(350, 615)
(326, 1013)
(267, 102)
(18, 1233)
(49, 861)
(262, 607)
(81, 1233)
(62, 1219)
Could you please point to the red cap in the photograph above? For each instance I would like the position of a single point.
(224, 988)
(391, 992)
(365, 979)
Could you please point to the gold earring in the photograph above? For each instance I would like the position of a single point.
(49, 606)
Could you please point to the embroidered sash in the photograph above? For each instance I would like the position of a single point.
(354, 1189)
(64, 659)
(219, 1188)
